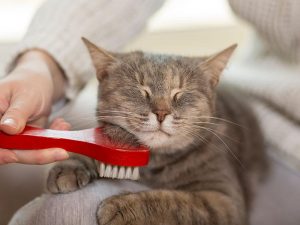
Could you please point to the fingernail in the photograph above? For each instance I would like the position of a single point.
(10, 159)
(10, 122)
(61, 155)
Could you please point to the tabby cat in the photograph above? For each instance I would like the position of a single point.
(206, 146)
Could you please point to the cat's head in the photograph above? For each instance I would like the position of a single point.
(163, 100)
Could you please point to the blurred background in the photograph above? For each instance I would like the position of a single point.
(190, 27)
(200, 27)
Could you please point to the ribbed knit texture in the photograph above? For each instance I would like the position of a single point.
(275, 88)
(273, 81)
(270, 80)
(282, 135)
(59, 25)
(277, 21)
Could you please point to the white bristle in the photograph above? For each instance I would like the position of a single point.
(115, 172)
(128, 173)
(135, 173)
(121, 174)
(118, 172)
(102, 170)
(108, 171)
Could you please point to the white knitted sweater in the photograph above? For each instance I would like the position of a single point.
(59, 24)
(272, 73)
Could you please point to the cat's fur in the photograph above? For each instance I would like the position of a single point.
(205, 153)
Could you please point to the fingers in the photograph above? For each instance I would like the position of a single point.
(41, 122)
(7, 156)
(34, 157)
(14, 119)
(60, 124)
(4, 103)
(39, 157)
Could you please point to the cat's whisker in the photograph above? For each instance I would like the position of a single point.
(118, 111)
(187, 132)
(220, 139)
(215, 118)
(197, 135)
(112, 118)
(230, 138)
(117, 116)
(194, 134)
(227, 147)
(211, 123)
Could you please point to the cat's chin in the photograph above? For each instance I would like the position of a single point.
(163, 142)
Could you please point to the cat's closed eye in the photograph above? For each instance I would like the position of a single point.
(176, 94)
(146, 92)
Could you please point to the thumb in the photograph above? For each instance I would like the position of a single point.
(14, 119)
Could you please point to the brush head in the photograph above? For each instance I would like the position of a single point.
(118, 172)
(114, 162)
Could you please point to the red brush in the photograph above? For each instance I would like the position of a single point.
(114, 162)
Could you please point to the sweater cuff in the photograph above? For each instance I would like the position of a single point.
(56, 49)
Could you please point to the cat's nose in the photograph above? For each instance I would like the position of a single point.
(161, 115)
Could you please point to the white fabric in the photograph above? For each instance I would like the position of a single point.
(76, 208)
(59, 25)
(277, 22)
(275, 88)
(277, 202)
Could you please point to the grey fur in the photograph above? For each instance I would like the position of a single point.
(206, 146)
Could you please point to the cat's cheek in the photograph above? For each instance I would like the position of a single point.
(151, 124)
(168, 126)
(162, 143)
(154, 139)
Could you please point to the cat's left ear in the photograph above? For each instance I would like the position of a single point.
(101, 58)
(215, 64)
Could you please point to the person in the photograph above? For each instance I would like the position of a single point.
(47, 69)
(51, 65)
(27, 94)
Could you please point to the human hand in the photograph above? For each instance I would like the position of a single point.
(37, 157)
(26, 95)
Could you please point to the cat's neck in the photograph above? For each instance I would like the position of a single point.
(161, 158)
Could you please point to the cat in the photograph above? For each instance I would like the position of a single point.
(206, 146)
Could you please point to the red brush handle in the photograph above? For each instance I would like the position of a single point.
(89, 142)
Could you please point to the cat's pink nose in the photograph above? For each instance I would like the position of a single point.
(161, 115)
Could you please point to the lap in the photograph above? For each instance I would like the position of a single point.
(75, 208)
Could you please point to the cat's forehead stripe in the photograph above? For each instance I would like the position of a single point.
(157, 58)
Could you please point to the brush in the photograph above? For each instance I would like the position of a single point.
(114, 162)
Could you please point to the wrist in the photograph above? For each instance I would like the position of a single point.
(41, 63)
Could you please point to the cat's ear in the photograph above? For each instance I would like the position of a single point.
(215, 64)
(100, 58)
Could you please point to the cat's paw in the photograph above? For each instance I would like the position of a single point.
(68, 176)
(120, 210)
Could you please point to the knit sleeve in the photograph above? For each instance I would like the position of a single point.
(58, 26)
(276, 21)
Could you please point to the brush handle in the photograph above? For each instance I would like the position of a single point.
(90, 142)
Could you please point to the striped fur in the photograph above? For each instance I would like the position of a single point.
(206, 151)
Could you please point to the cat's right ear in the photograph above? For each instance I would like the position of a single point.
(100, 58)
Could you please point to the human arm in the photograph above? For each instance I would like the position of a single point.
(55, 35)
